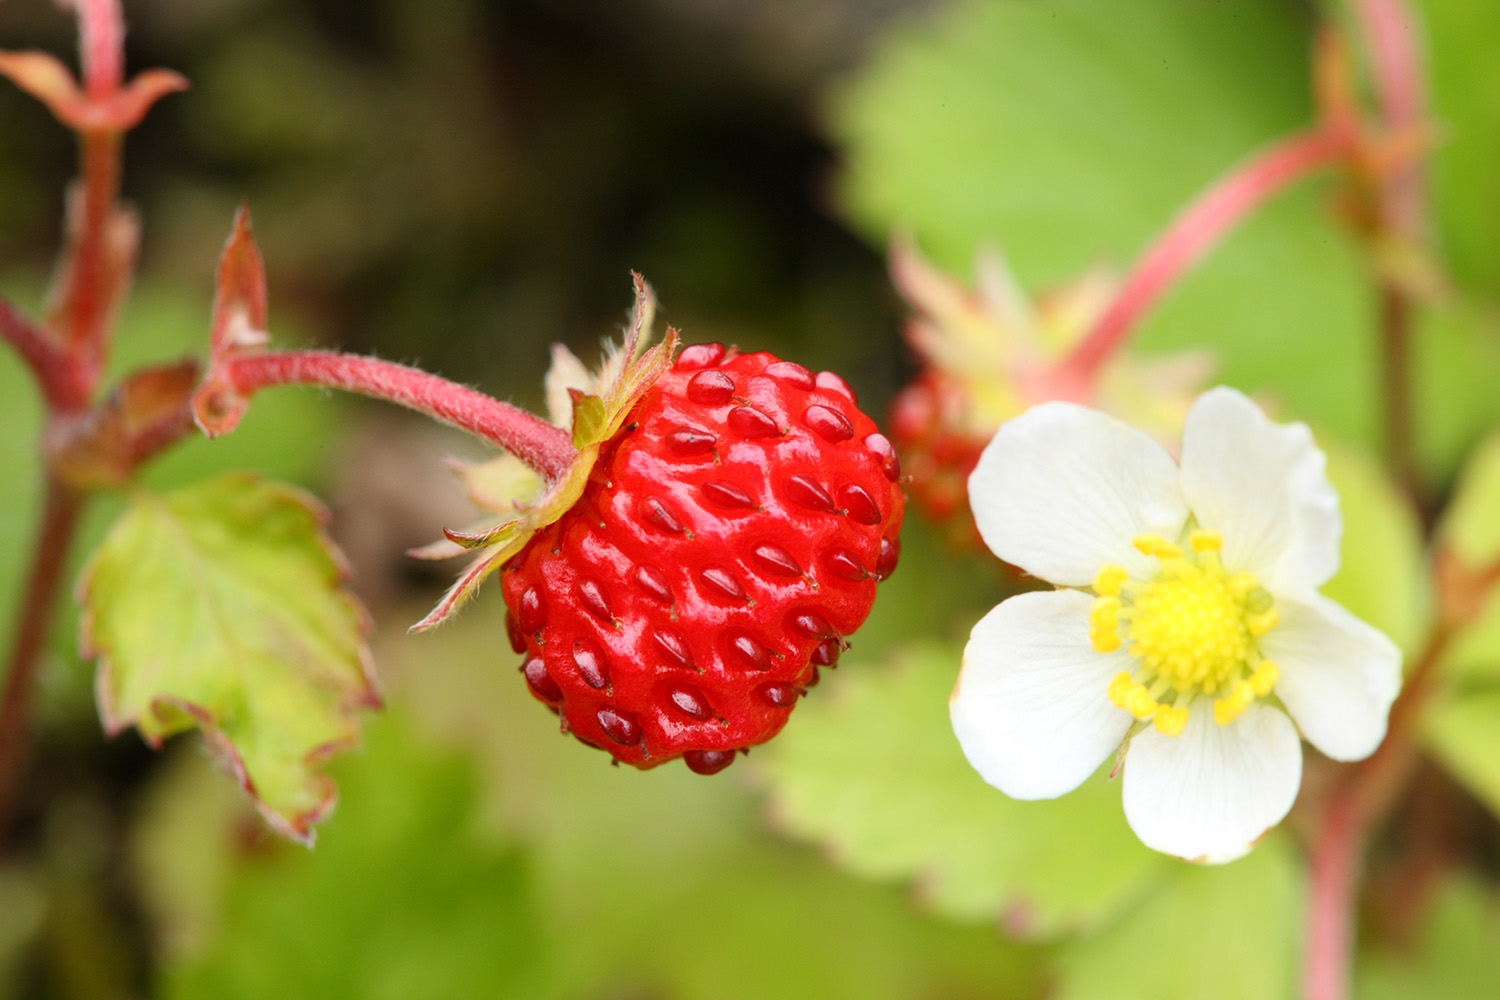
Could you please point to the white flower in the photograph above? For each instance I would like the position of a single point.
(1187, 620)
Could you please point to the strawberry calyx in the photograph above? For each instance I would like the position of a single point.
(592, 408)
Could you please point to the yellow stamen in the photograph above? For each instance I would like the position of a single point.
(1169, 721)
(1105, 610)
(1203, 540)
(1193, 628)
(1155, 545)
(1241, 584)
(1227, 709)
(1107, 581)
(1265, 677)
(1264, 622)
(1139, 703)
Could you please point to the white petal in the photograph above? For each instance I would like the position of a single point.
(1031, 708)
(1062, 489)
(1209, 794)
(1263, 486)
(1339, 675)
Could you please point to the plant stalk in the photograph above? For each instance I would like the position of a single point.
(542, 446)
(1197, 229)
(61, 506)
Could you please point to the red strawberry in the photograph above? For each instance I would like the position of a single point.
(928, 422)
(729, 537)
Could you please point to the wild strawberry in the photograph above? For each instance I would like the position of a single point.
(927, 424)
(721, 532)
(728, 539)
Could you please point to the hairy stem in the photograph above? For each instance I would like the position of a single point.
(101, 45)
(90, 286)
(61, 506)
(1205, 221)
(542, 446)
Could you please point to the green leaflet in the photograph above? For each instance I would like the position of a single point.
(877, 775)
(1460, 37)
(1471, 527)
(664, 883)
(1382, 574)
(219, 606)
(402, 899)
(1068, 134)
(1464, 734)
(1230, 932)
(1470, 532)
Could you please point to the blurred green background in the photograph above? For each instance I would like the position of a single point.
(459, 184)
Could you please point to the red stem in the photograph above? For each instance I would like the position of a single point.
(90, 286)
(1196, 229)
(1333, 878)
(33, 622)
(62, 384)
(540, 445)
(101, 43)
(1390, 38)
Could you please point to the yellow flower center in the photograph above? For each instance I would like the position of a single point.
(1193, 630)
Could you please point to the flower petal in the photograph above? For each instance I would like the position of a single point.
(1209, 794)
(1339, 675)
(1062, 489)
(1031, 708)
(1264, 488)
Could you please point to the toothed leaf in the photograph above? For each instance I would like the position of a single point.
(1043, 869)
(220, 606)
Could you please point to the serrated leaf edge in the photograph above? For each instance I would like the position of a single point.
(300, 826)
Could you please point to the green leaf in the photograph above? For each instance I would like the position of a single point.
(1229, 932)
(877, 775)
(1457, 343)
(1454, 956)
(1460, 36)
(1470, 531)
(1382, 575)
(219, 606)
(402, 899)
(1070, 133)
(1463, 733)
(1471, 524)
(666, 884)
(615, 882)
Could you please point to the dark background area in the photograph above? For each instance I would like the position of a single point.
(461, 183)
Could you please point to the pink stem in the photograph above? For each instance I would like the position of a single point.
(1390, 37)
(61, 381)
(1333, 878)
(1195, 230)
(542, 446)
(89, 289)
(101, 37)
